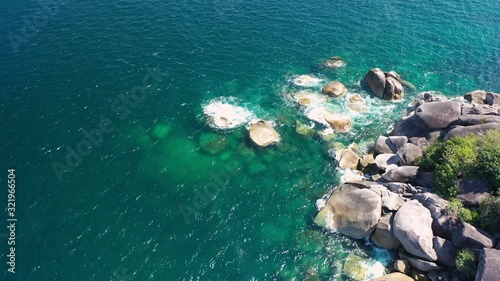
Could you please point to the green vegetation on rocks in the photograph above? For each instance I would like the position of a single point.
(463, 157)
(489, 217)
(466, 264)
(456, 208)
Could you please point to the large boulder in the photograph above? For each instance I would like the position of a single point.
(460, 131)
(480, 109)
(386, 85)
(263, 134)
(413, 228)
(489, 265)
(348, 159)
(473, 191)
(409, 153)
(334, 89)
(443, 224)
(438, 115)
(386, 159)
(354, 211)
(469, 120)
(384, 236)
(393, 89)
(401, 174)
(483, 97)
(375, 79)
(446, 251)
(396, 276)
(477, 96)
(468, 236)
(390, 145)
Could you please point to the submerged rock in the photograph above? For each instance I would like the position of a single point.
(355, 268)
(311, 241)
(263, 134)
(357, 103)
(303, 129)
(212, 143)
(309, 98)
(307, 81)
(334, 89)
(161, 131)
(335, 62)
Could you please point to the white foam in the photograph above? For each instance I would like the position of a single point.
(224, 115)
(307, 81)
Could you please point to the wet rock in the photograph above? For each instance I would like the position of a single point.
(390, 144)
(446, 251)
(385, 159)
(460, 131)
(307, 81)
(309, 98)
(355, 211)
(335, 62)
(401, 174)
(395, 276)
(409, 153)
(489, 265)
(222, 115)
(402, 266)
(355, 268)
(334, 89)
(413, 228)
(393, 89)
(357, 103)
(384, 236)
(473, 191)
(437, 115)
(263, 134)
(385, 85)
(375, 79)
(348, 159)
(339, 123)
(468, 236)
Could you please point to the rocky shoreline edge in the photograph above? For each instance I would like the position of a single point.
(395, 203)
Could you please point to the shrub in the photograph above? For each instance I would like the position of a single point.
(466, 264)
(489, 215)
(456, 208)
(468, 157)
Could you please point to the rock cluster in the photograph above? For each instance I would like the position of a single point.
(396, 207)
(386, 85)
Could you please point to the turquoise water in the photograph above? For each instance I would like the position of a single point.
(118, 215)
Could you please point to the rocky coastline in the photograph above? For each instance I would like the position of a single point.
(395, 203)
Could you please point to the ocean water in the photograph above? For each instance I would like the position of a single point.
(162, 196)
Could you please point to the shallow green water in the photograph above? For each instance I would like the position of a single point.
(118, 215)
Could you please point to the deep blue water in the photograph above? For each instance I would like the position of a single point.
(117, 215)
